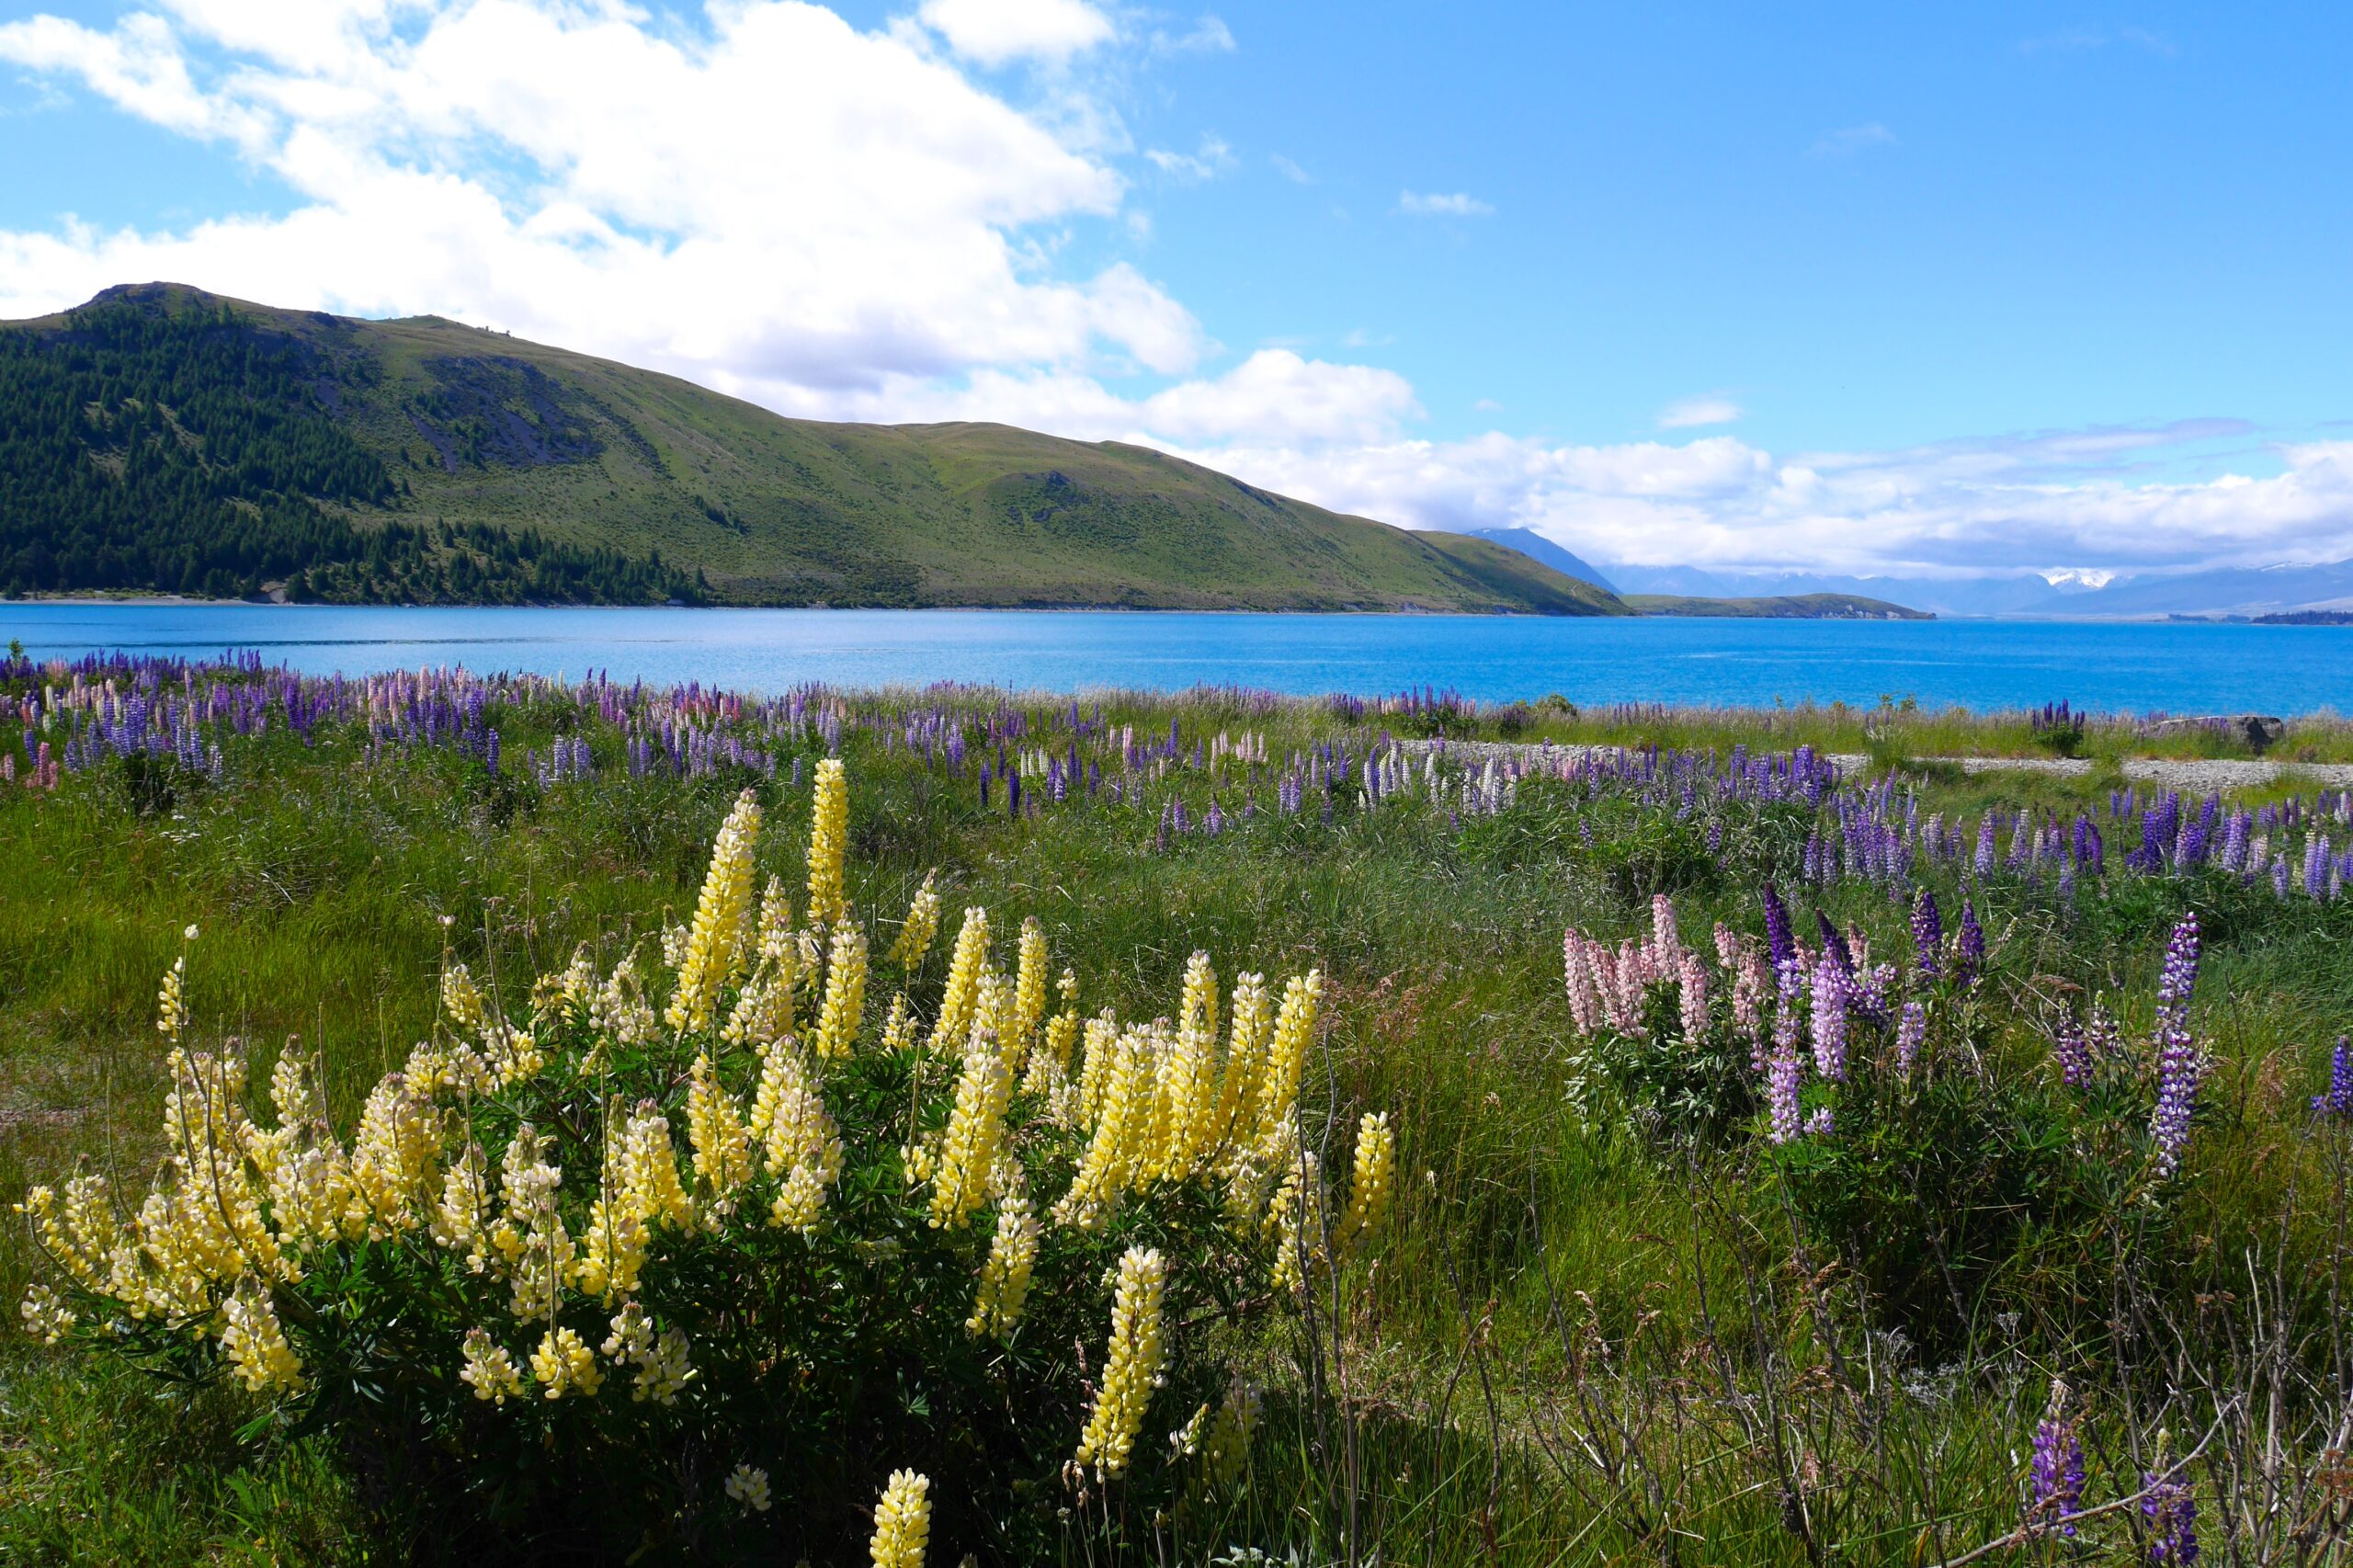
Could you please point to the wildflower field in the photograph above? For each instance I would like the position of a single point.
(479, 1120)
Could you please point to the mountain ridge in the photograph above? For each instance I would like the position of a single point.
(163, 438)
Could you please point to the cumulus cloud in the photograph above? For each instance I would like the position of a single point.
(2042, 499)
(1708, 408)
(1209, 35)
(1456, 204)
(995, 31)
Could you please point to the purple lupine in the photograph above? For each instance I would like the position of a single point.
(1973, 945)
(1834, 945)
(2181, 1064)
(2171, 1510)
(2072, 1047)
(1909, 1033)
(1821, 1124)
(1984, 863)
(2057, 1474)
(2338, 1101)
(1778, 942)
(1927, 934)
(1830, 1022)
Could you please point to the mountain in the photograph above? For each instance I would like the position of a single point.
(1783, 607)
(1536, 546)
(2023, 595)
(160, 438)
(2250, 591)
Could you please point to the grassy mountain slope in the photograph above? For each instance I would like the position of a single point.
(1787, 607)
(501, 470)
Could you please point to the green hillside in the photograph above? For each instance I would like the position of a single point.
(161, 439)
(1786, 607)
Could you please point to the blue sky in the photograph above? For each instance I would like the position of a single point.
(1877, 287)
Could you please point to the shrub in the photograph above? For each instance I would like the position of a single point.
(628, 1265)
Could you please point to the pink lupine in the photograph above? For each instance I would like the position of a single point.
(1695, 996)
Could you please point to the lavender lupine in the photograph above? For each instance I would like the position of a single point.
(1830, 1022)
(1783, 1072)
(1927, 934)
(2181, 1064)
(1909, 1032)
(2337, 1102)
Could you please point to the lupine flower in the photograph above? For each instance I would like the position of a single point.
(748, 1484)
(2057, 1475)
(1927, 934)
(2181, 1064)
(1780, 943)
(489, 1371)
(46, 1318)
(963, 990)
(2072, 1048)
(1373, 1186)
(1821, 1124)
(1004, 1277)
(1973, 945)
(2171, 1510)
(2338, 1101)
(976, 1131)
(1910, 1030)
(714, 943)
(828, 836)
(1783, 1071)
(922, 924)
(1830, 1022)
(1227, 1448)
(844, 1003)
(1132, 1365)
(1692, 996)
(901, 1521)
(563, 1363)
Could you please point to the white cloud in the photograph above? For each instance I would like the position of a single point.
(1953, 506)
(548, 165)
(1213, 159)
(995, 31)
(1457, 204)
(1210, 35)
(1708, 408)
(1290, 170)
(1848, 140)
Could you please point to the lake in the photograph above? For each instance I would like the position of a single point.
(1979, 664)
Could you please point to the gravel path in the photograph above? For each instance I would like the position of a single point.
(2189, 776)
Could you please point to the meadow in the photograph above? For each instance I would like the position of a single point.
(1949, 1169)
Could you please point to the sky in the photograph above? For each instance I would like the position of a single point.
(1907, 289)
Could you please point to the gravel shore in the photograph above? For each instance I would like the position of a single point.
(2194, 777)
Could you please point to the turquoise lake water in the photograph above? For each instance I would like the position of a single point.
(2131, 668)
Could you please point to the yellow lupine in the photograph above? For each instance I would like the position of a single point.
(844, 1005)
(1296, 1217)
(1028, 989)
(171, 1001)
(828, 836)
(902, 1522)
(1373, 1187)
(1117, 1142)
(716, 1133)
(1049, 1058)
(1004, 1277)
(1227, 1450)
(899, 1026)
(713, 951)
(1132, 1365)
(957, 997)
(563, 1364)
(975, 1128)
(1101, 1034)
(256, 1344)
(1235, 1119)
(488, 1369)
(650, 1171)
(1287, 1053)
(613, 1252)
(922, 924)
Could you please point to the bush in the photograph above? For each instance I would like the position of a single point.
(512, 1289)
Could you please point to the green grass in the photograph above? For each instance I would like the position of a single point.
(1580, 1348)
